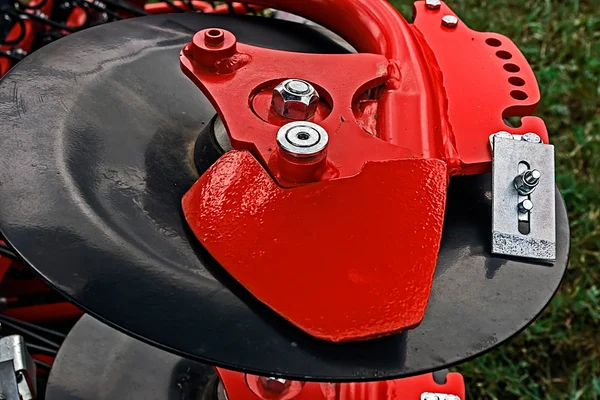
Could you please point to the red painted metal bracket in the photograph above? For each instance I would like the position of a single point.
(231, 84)
(483, 79)
(350, 255)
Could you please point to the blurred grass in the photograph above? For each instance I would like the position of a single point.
(558, 357)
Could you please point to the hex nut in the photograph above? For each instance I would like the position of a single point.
(295, 99)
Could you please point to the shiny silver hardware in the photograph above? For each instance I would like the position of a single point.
(13, 351)
(523, 179)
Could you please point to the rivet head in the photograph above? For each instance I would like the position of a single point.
(433, 4)
(449, 21)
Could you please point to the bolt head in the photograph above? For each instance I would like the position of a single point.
(450, 21)
(525, 206)
(503, 134)
(433, 4)
(274, 385)
(438, 396)
(531, 138)
(295, 99)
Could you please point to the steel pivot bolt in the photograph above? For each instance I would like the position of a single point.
(433, 4)
(450, 21)
(295, 99)
(526, 182)
(302, 139)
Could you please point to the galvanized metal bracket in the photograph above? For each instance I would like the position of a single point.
(523, 221)
(13, 350)
(8, 382)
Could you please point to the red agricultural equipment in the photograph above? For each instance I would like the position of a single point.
(247, 207)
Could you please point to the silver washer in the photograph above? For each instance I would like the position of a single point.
(303, 136)
(302, 139)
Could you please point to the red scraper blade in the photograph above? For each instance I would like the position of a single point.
(344, 259)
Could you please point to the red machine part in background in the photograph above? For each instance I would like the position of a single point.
(239, 386)
(25, 30)
(22, 34)
(27, 302)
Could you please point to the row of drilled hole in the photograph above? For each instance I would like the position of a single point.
(510, 67)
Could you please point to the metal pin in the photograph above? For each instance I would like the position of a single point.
(526, 182)
(525, 206)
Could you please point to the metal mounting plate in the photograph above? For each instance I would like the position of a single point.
(540, 242)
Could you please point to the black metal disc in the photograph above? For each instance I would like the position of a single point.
(97, 132)
(96, 362)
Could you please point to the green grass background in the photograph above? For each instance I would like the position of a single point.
(558, 357)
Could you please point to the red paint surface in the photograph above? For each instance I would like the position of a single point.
(343, 259)
(77, 18)
(5, 264)
(409, 116)
(445, 92)
(475, 85)
(232, 85)
(398, 389)
(372, 230)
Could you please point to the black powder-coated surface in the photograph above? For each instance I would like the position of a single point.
(97, 132)
(96, 362)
